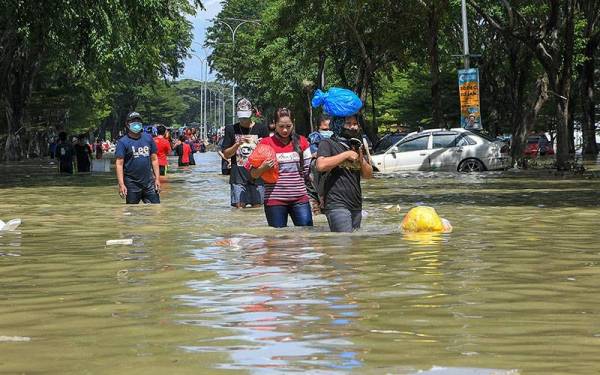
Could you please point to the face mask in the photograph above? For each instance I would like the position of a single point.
(135, 127)
(326, 133)
(350, 133)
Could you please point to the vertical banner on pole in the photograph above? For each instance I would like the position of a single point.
(468, 88)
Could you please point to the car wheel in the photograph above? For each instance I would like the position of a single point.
(471, 165)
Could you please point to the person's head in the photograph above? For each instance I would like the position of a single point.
(161, 130)
(182, 138)
(97, 140)
(351, 127)
(273, 123)
(324, 121)
(62, 136)
(134, 123)
(284, 123)
(244, 112)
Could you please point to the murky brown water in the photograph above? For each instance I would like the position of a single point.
(208, 290)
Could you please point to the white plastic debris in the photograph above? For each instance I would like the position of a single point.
(10, 226)
(124, 241)
(14, 338)
(392, 208)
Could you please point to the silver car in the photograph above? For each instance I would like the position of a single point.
(444, 150)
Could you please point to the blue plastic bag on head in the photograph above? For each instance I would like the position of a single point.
(337, 101)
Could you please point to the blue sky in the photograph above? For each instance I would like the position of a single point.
(200, 22)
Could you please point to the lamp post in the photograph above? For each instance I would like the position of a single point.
(233, 31)
(465, 35)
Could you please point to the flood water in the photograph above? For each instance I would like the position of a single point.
(208, 290)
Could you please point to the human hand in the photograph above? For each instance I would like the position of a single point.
(267, 164)
(122, 191)
(157, 186)
(352, 156)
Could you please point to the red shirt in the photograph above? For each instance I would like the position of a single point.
(163, 148)
(187, 150)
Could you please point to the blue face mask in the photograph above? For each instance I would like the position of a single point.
(135, 127)
(326, 133)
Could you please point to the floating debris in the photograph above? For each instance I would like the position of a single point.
(124, 241)
(10, 226)
(14, 339)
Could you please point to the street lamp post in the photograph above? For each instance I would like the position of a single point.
(465, 35)
(233, 31)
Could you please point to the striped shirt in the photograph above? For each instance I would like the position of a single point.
(290, 187)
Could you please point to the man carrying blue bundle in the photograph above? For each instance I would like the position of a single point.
(341, 160)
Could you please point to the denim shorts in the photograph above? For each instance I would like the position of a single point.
(247, 194)
(137, 193)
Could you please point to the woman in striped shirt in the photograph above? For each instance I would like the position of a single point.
(287, 196)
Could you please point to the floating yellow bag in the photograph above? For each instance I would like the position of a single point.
(425, 219)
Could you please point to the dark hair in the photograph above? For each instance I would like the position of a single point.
(284, 112)
(161, 130)
(182, 138)
(324, 117)
(62, 136)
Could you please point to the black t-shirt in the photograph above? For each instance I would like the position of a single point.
(342, 183)
(240, 175)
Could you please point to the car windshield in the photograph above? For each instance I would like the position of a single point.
(387, 141)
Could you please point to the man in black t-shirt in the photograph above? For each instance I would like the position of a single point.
(239, 141)
(64, 153)
(342, 162)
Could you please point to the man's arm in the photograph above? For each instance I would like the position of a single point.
(366, 169)
(156, 170)
(229, 152)
(325, 164)
(120, 179)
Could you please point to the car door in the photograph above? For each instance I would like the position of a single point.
(408, 154)
(444, 151)
(449, 149)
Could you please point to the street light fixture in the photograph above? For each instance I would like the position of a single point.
(233, 30)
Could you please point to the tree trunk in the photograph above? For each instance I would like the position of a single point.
(432, 45)
(562, 134)
(587, 99)
(321, 71)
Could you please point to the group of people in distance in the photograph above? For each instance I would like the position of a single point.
(326, 170)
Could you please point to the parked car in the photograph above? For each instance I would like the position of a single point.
(445, 150)
(538, 145)
(386, 141)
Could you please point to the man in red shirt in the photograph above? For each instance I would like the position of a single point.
(163, 147)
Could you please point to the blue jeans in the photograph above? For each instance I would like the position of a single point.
(277, 216)
(343, 220)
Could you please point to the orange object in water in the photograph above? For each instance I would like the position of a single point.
(261, 153)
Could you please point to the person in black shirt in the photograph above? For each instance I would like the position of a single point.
(342, 161)
(64, 154)
(84, 154)
(239, 141)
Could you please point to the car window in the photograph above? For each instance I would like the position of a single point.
(444, 140)
(415, 144)
(466, 140)
(387, 141)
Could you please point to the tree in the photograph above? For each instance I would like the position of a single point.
(549, 32)
(143, 39)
